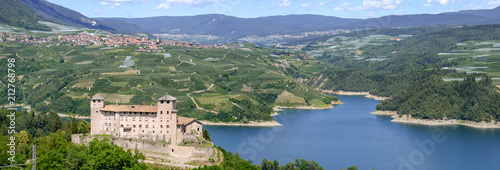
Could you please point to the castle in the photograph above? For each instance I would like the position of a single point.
(156, 123)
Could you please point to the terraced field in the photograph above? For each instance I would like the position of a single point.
(244, 79)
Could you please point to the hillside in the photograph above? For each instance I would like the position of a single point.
(62, 15)
(16, 13)
(228, 26)
(413, 72)
(234, 27)
(214, 84)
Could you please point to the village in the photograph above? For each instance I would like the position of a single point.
(110, 40)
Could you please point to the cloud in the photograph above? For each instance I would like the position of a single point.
(284, 3)
(338, 9)
(377, 4)
(168, 3)
(494, 2)
(163, 6)
(322, 3)
(113, 3)
(442, 2)
(305, 4)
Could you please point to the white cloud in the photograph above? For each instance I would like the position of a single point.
(168, 3)
(322, 3)
(442, 2)
(338, 9)
(427, 4)
(305, 4)
(494, 2)
(378, 4)
(114, 3)
(163, 6)
(285, 3)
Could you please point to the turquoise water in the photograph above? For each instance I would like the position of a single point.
(349, 135)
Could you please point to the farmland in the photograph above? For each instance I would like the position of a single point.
(245, 82)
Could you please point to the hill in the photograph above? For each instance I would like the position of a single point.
(412, 73)
(234, 27)
(228, 26)
(16, 13)
(62, 15)
(229, 85)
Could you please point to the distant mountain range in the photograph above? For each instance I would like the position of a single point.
(234, 27)
(229, 27)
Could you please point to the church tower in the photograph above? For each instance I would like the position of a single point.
(96, 104)
(167, 113)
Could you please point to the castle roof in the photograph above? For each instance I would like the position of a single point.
(185, 120)
(129, 108)
(98, 97)
(167, 97)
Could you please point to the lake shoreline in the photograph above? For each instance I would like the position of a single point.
(408, 119)
(76, 116)
(250, 124)
(350, 93)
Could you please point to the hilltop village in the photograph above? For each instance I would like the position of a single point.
(109, 40)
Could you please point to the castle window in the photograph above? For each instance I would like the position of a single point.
(161, 131)
(121, 125)
(168, 126)
(167, 112)
(161, 112)
(94, 101)
(134, 126)
(153, 131)
(168, 101)
(146, 126)
(161, 126)
(161, 102)
(140, 126)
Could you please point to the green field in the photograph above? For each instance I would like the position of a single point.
(245, 82)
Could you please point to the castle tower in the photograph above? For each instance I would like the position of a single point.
(167, 110)
(96, 104)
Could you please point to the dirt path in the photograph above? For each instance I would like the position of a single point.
(197, 106)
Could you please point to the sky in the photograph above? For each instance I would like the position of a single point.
(261, 8)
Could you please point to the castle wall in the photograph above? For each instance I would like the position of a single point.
(149, 146)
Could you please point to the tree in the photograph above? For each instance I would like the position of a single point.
(206, 135)
(84, 127)
(74, 125)
(23, 137)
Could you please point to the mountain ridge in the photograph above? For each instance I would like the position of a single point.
(235, 27)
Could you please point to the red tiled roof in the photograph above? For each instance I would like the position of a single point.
(184, 120)
(129, 108)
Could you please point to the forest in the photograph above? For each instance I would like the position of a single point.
(411, 64)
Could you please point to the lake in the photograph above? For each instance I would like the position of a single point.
(348, 135)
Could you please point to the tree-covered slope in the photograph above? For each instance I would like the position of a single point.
(412, 76)
(433, 98)
(62, 15)
(16, 13)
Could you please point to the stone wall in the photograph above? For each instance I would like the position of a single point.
(149, 146)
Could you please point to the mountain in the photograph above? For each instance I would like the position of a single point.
(234, 27)
(62, 15)
(17, 13)
(227, 26)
